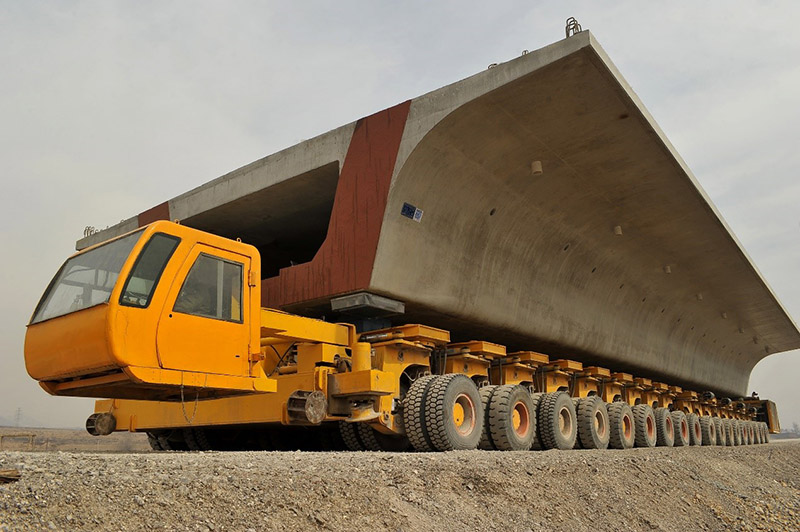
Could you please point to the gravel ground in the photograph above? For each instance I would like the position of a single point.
(708, 488)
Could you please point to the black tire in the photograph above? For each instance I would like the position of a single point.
(511, 419)
(453, 413)
(351, 437)
(730, 439)
(414, 414)
(367, 436)
(719, 428)
(486, 442)
(536, 399)
(751, 434)
(378, 441)
(708, 432)
(152, 439)
(680, 427)
(665, 431)
(737, 432)
(196, 439)
(621, 425)
(644, 420)
(557, 424)
(766, 433)
(695, 430)
(593, 423)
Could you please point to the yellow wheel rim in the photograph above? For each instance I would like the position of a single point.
(458, 414)
(516, 419)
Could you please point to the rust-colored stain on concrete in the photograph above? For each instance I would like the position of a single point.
(159, 212)
(344, 261)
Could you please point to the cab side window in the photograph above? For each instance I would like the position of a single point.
(213, 289)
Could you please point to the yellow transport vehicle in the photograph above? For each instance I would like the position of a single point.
(164, 325)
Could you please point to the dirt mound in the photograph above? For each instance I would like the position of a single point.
(708, 488)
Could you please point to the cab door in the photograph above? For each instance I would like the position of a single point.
(204, 323)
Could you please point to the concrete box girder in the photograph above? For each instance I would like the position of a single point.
(613, 254)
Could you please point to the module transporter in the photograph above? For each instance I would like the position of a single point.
(330, 294)
(166, 322)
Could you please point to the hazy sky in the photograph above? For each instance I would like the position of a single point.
(108, 108)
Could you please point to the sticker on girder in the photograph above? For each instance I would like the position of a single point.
(410, 211)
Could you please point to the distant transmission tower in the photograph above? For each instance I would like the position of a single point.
(18, 417)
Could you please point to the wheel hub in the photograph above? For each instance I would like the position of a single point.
(520, 419)
(564, 422)
(464, 414)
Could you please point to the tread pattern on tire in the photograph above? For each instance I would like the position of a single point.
(548, 422)
(730, 440)
(708, 431)
(665, 433)
(693, 420)
(587, 432)
(435, 413)
(616, 413)
(414, 414)
(350, 436)
(486, 443)
(719, 428)
(536, 399)
(640, 415)
(678, 419)
(500, 418)
(367, 436)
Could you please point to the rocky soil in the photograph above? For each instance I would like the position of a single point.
(708, 488)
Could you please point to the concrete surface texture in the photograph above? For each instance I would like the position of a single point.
(536, 204)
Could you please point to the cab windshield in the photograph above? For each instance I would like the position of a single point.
(85, 280)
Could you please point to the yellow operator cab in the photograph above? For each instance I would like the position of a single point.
(147, 314)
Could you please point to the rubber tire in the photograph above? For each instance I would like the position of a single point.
(719, 428)
(751, 433)
(643, 416)
(414, 414)
(486, 442)
(708, 431)
(665, 431)
(730, 441)
(737, 432)
(695, 430)
(766, 433)
(440, 398)
(500, 418)
(372, 440)
(618, 412)
(551, 408)
(681, 428)
(589, 408)
(196, 439)
(351, 437)
(536, 398)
